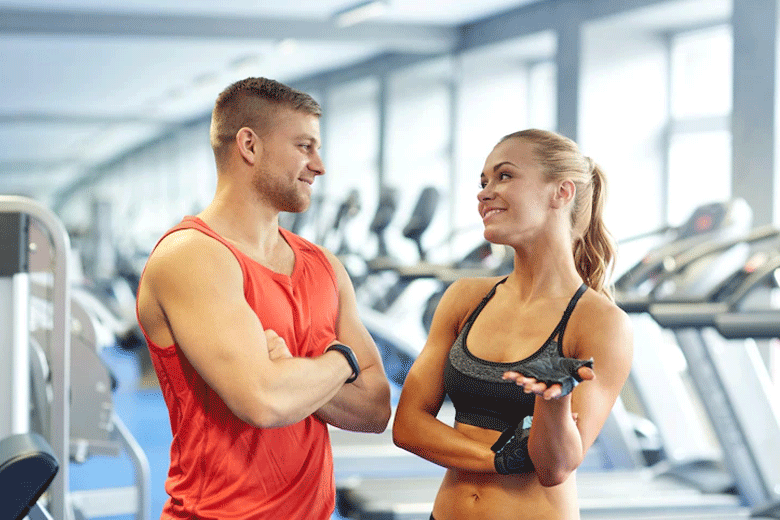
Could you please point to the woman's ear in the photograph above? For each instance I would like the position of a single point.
(248, 144)
(564, 193)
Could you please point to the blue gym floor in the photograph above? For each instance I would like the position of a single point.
(144, 413)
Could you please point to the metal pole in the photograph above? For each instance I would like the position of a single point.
(60, 355)
(14, 332)
(14, 355)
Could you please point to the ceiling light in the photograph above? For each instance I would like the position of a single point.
(358, 13)
(287, 46)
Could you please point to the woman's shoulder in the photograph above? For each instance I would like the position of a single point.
(601, 307)
(597, 318)
(465, 290)
(463, 295)
(453, 309)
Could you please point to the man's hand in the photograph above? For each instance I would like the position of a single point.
(277, 347)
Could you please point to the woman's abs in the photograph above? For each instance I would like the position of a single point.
(466, 495)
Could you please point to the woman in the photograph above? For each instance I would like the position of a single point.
(544, 199)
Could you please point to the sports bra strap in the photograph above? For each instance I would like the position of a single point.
(561, 328)
(488, 296)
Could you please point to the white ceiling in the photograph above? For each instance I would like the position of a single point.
(85, 80)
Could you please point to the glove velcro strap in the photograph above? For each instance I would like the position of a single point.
(512, 452)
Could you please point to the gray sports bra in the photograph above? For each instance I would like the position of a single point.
(474, 385)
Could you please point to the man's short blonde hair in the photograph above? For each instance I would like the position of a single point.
(252, 103)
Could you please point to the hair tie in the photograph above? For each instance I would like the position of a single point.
(591, 165)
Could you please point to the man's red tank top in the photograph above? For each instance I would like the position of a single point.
(221, 467)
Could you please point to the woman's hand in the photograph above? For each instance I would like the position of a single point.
(553, 391)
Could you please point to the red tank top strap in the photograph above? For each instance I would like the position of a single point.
(191, 222)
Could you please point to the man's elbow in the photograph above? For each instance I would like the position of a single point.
(266, 413)
(265, 417)
(379, 425)
(380, 418)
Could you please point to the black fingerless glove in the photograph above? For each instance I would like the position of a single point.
(555, 370)
(512, 451)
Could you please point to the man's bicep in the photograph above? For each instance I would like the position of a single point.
(349, 326)
(211, 322)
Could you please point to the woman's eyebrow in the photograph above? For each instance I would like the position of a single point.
(499, 165)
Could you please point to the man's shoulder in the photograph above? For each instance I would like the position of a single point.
(183, 250)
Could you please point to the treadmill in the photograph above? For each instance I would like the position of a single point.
(690, 450)
(732, 377)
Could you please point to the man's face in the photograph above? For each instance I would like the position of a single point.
(290, 161)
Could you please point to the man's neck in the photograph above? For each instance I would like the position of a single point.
(252, 228)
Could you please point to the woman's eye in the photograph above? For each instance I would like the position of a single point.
(504, 175)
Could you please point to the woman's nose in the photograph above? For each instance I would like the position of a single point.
(486, 193)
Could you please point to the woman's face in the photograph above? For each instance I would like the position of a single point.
(514, 201)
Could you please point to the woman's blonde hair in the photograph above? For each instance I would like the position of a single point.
(593, 247)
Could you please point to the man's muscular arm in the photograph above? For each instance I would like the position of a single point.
(363, 405)
(197, 285)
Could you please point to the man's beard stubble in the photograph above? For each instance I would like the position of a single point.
(282, 196)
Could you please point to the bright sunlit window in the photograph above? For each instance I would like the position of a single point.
(496, 97)
(701, 63)
(699, 171)
(350, 151)
(418, 152)
(699, 150)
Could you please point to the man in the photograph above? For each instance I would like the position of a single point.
(241, 318)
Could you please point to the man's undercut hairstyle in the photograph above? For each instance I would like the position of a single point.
(252, 103)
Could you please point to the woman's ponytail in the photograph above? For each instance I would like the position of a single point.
(560, 159)
(594, 250)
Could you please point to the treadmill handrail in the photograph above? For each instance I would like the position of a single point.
(676, 248)
(702, 313)
(676, 315)
(756, 277)
(706, 248)
(750, 324)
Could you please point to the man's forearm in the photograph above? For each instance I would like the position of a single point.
(362, 406)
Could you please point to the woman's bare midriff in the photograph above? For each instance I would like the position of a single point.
(466, 495)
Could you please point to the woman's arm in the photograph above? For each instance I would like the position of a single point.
(557, 443)
(416, 428)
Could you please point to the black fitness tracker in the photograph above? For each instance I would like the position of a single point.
(351, 359)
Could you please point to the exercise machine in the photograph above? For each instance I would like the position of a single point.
(689, 450)
(27, 468)
(733, 378)
(56, 385)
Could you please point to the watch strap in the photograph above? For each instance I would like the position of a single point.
(351, 359)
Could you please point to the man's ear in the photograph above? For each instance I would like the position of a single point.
(564, 193)
(248, 144)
